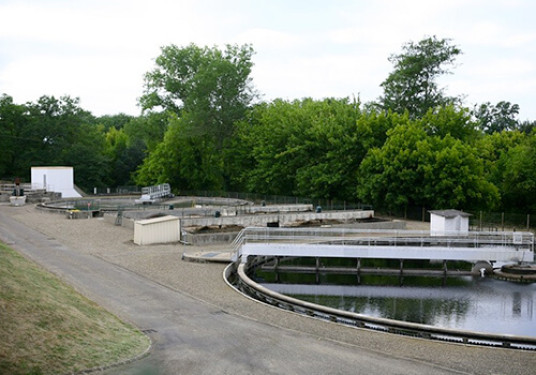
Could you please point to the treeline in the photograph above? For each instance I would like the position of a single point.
(203, 127)
(104, 151)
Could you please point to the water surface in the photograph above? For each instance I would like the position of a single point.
(468, 303)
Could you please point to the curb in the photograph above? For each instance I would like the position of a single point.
(145, 353)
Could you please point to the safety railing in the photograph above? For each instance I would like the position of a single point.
(393, 238)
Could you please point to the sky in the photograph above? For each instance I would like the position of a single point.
(99, 50)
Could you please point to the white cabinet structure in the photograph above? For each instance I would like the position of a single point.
(164, 229)
(449, 222)
(55, 179)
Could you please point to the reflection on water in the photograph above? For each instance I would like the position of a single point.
(475, 304)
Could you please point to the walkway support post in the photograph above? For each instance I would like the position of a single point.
(317, 270)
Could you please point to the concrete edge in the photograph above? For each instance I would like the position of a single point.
(138, 357)
(427, 329)
(203, 257)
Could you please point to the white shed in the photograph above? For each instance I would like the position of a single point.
(56, 179)
(444, 222)
(164, 229)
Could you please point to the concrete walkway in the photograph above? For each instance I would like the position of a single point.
(210, 329)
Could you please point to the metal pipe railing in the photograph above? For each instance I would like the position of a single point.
(336, 236)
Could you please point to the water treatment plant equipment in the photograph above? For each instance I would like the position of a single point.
(256, 247)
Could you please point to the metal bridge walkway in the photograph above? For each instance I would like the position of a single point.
(149, 194)
(399, 244)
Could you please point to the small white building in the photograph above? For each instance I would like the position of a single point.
(55, 179)
(164, 229)
(445, 222)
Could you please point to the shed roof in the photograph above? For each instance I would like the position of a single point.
(450, 213)
(51, 167)
(156, 220)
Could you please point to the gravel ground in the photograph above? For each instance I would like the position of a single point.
(204, 281)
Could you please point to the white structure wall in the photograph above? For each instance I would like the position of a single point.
(56, 179)
(165, 229)
(446, 222)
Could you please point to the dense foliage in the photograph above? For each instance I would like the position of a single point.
(412, 85)
(200, 129)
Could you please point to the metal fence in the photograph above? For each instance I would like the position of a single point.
(324, 204)
(119, 190)
(479, 220)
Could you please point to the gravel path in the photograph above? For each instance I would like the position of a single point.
(203, 281)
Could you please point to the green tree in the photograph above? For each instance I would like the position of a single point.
(519, 176)
(334, 153)
(388, 175)
(13, 141)
(185, 162)
(306, 147)
(494, 150)
(56, 124)
(213, 86)
(412, 85)
(414, 168)
(114, 121)
(269, 141)
(527, 126)
(497, 118)
(87, 156)
(450, 120)
(208, 90)
(124, 155)
(148, 129)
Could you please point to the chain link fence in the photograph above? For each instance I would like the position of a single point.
(479, 220)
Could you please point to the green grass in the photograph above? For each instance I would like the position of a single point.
(46, 327)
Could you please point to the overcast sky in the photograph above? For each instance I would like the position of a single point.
(99, 50)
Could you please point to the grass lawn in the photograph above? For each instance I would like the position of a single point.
(46, 327)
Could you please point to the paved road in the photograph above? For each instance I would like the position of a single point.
(193, 337)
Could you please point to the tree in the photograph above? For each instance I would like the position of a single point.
(389, 176)
(87, 156)
(527, 126)
(185, 162)
(208, 90)
(148, 129)
(213, 86)
(450, 120)
(115, 121)
(497, 118)
(413, 168)
(55, 123)
(333, 149)
(269, 142)
(519, 176)
(305, 147)
(124, 155)
(13, 120)
(412, 85)
(494, 150)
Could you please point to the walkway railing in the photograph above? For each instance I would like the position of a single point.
(157, 191)
(385, 239)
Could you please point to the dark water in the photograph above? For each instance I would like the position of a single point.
(468, 303)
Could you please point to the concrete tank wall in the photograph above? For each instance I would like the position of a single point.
(283, 219)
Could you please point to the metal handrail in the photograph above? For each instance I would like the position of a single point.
(329, 236)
